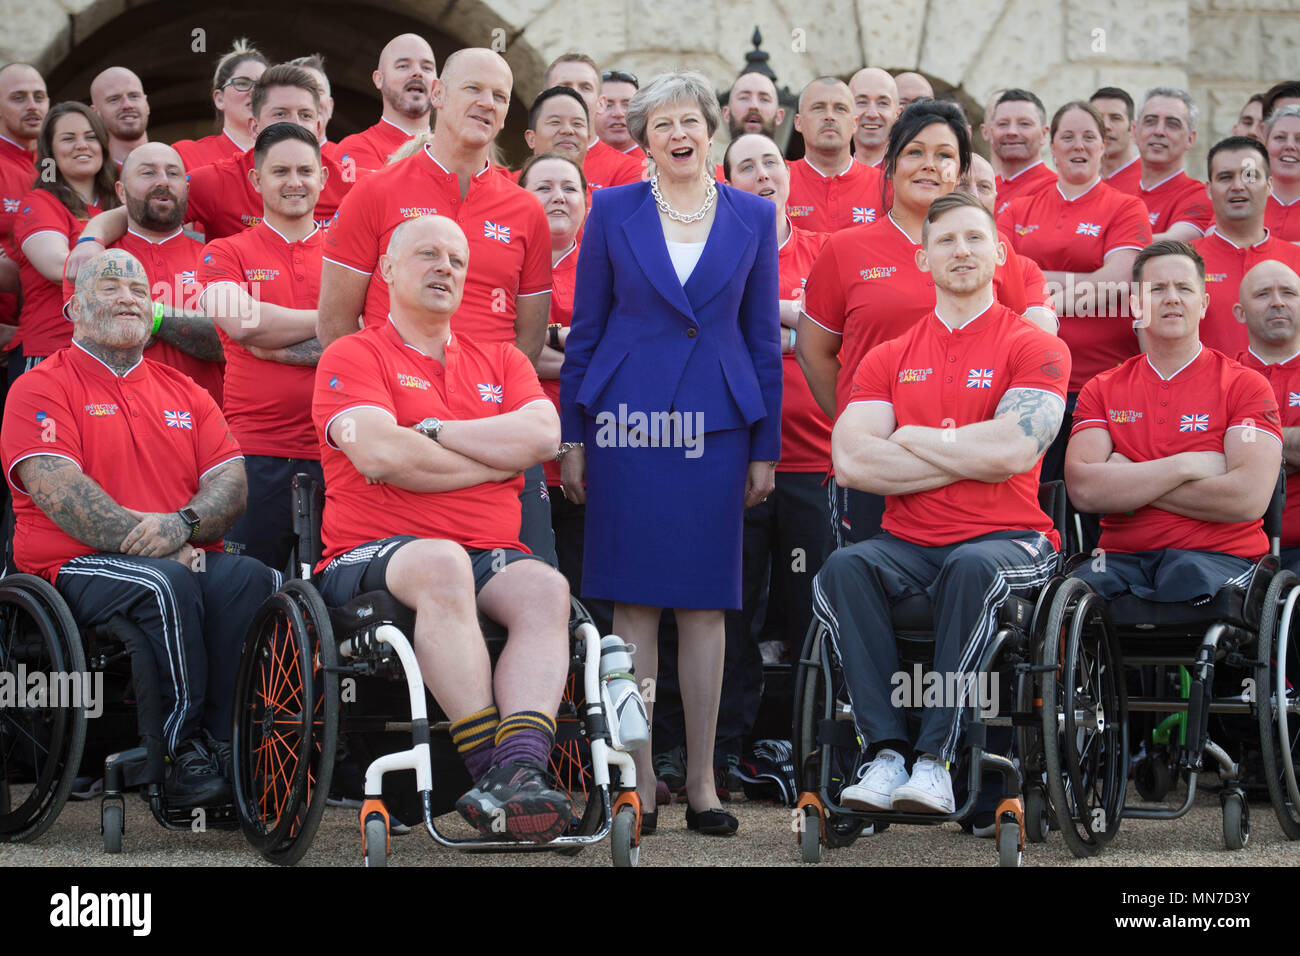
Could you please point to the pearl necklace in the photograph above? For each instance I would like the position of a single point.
(710, 195)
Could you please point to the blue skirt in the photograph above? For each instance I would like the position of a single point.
(665, 529)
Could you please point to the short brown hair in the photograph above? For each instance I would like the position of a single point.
(1167, 247)
(950, 202)
(571, 58)
(282, 74)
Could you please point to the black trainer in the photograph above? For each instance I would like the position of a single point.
(222, 753)
(518, 801)
(194, 780)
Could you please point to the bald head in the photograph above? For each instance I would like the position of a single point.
(23, 103)
(472, 98)
(425, 267)
(111, 307)
(117, 95)
(1269, 306)
(875, 101)
(912, 86)
(981, 182)
(405, 77)
(472, 60)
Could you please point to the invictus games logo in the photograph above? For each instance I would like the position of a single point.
(914, 375)
(1216, 277)
(261, 275)
(878, 272)
(415, 212)
(799, 212)
(248, 220)
(1025, 230)
(411, 381)
(100, 410)
(1125, 416)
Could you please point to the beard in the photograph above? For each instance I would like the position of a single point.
(140, 210)
(737, 127)
(410, 103)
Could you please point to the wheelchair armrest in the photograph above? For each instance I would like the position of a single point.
(1273, 515)
(308, 513)
(1051, 498)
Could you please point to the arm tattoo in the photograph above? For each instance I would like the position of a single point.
(306, 353)
(220, 499)
(193, 334)
(75, 502)
(1038, 413)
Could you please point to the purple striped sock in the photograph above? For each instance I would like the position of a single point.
(526, 744)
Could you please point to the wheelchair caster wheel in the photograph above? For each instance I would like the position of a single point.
(1236, 820)
(1009, 843)
(376, 840)
(1154, 778)
(1038, 821)
(810, 838)
(111, 824)
(621, 835)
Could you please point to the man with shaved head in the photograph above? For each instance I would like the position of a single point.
(875, 97)
(124, 478)
(1268, 305)
(828, 190)
(117, 95)
(912, 87)
(508, 289)
(23, 105)
(423, 473)
(404, 78)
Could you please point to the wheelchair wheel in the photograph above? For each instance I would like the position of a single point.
(1236, 820)
(111, 823)
(1038, 821)
(810, 838)
(808, 695)
(1278, 704)
(286, 723)
(1154, 777)
(1085, 719)
(1009, 852)
(571, 756)
(40, 746)
(620, 838)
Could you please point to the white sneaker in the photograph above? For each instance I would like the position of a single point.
(929, 790)
(876, 782)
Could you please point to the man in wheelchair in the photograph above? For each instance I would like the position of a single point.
(949, 422)
(124, 479)
(424, 437)
(1179, 449)
(1269, 306)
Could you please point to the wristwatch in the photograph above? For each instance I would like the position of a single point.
(553, 336)
(191, 518)
(429, 428)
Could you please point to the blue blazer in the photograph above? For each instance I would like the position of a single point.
(641, 339)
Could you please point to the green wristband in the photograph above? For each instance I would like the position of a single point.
(158, 311)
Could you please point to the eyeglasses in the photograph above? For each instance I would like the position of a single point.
(241, 83)
(620, 76)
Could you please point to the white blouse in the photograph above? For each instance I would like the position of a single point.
(684, 256)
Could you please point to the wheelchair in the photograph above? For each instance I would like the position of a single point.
(44, 747)
(827, 749)
(293, 709)
(1182, 649)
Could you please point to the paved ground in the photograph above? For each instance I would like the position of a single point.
(765, 839)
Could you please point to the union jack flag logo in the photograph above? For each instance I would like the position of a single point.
(1153, 216)
(11, 205)
(492, 230)
(188, 277)
(1088, 229)
(1293, 399)
(1194, 423)
(980, 378)
(864, 214)
(490, 393)
(178, 420)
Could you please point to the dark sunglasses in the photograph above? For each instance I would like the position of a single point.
(620, 76)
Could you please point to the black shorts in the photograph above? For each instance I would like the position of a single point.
(365, 567)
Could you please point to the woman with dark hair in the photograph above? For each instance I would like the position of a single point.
(232, 96)
(865, 287)
(74, 145)
(1084, 235)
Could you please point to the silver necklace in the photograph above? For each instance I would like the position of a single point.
(710, 195)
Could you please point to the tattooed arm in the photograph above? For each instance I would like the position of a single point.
(303, 353)
(75, 502)
(1008, 444)
(221, 499)
(193, 333)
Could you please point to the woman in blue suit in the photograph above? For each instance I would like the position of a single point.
(671, 405)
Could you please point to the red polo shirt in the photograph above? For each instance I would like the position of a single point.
(43, 329)
(1283, 219)
(222, 196)
(1076, 235)
(1128, 178)
(268, 404)
(173, 270)
(1225, 266)
(205, 151)
(939, 377)
(820, 203)
(509, 238)
(564, 275)
(1150, 417)
(1177, 198)
(147, 438)
(371, 148)
(606, 166)
(865, 286)
(17, 175)
(374, 368)
(1027, 182)
(805, 429)
(1284, 378)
